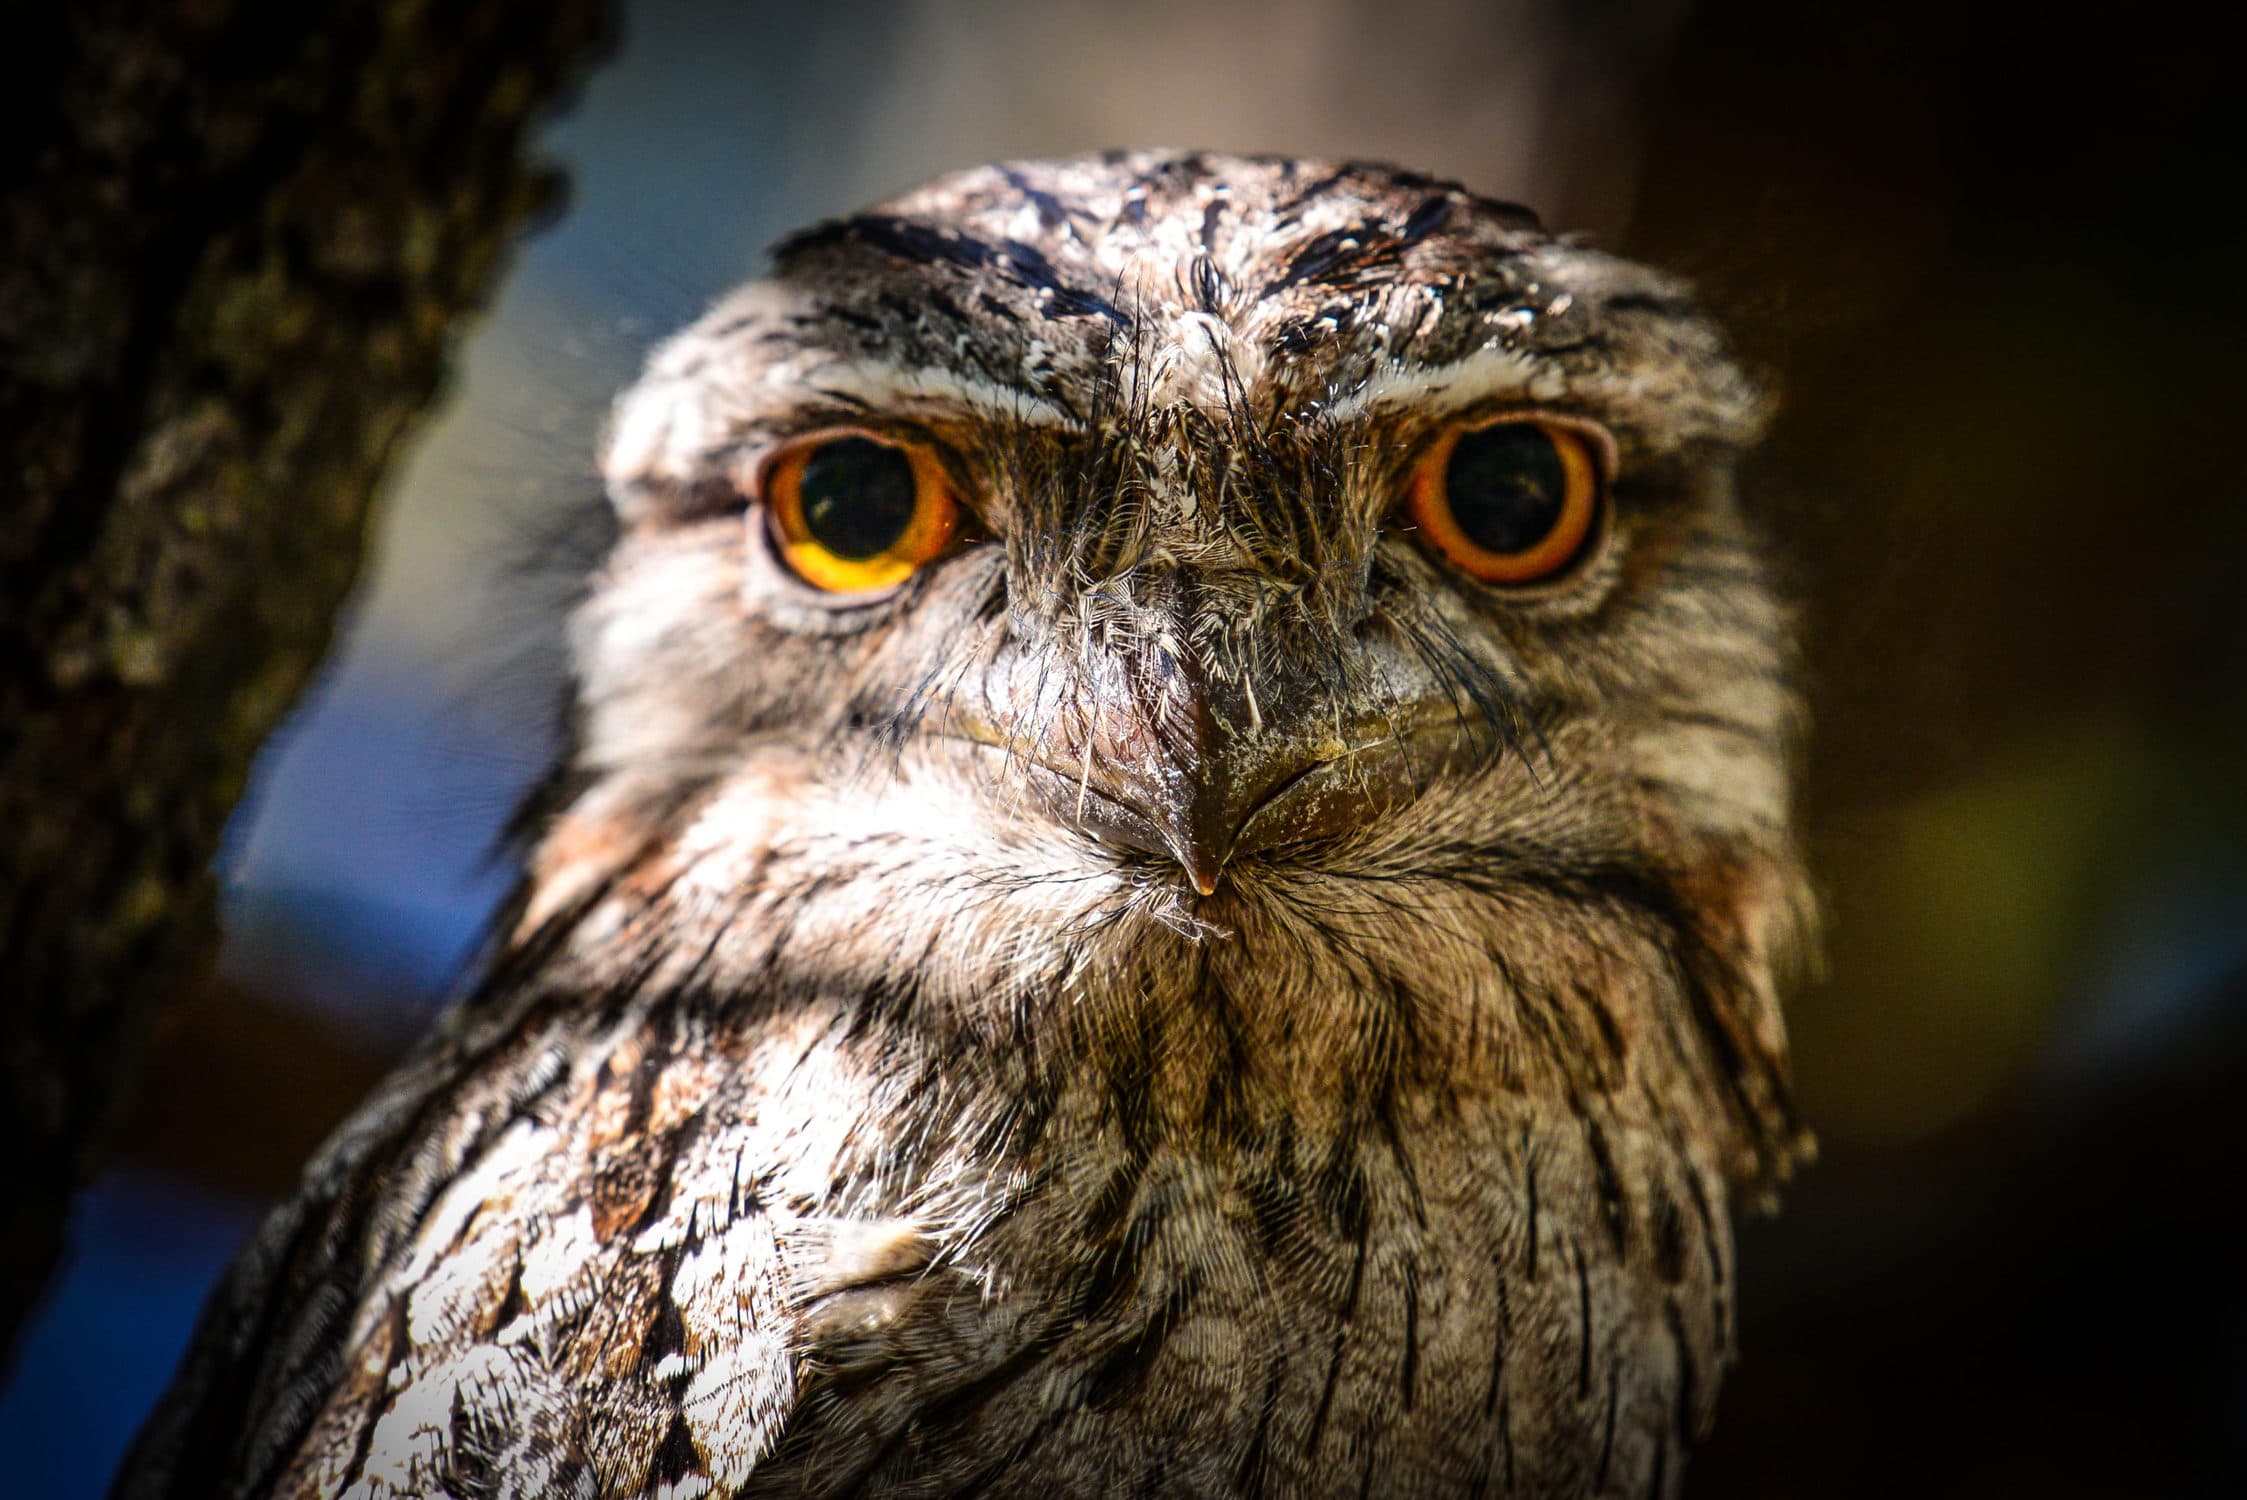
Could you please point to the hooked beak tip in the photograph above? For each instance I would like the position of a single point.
(1201, 864)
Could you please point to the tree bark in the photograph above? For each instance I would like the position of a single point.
(236, 237)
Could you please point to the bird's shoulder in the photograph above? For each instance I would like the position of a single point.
(562, 1249)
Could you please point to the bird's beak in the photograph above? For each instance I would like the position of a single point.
(1194, 767)
(1203, 771)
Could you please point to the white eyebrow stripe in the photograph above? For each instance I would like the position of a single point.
(896, 386)
(1489, 371)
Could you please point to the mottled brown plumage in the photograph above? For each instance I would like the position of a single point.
(868, 1102)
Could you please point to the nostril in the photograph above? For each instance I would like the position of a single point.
(1290, 782)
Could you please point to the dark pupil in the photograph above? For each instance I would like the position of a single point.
(1506, 486)
(857, 497)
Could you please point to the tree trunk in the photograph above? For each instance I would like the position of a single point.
(235, 240)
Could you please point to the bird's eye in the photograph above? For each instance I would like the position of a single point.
(1513, 502)
(853, 513)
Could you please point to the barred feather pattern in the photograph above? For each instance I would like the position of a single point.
(839, 1117)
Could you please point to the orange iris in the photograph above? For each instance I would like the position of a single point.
(1510, 502)
(853, 513)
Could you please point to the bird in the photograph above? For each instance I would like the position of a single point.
(1174, 873)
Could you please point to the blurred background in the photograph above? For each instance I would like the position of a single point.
(1992, 261)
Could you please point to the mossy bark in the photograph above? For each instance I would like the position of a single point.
(237, 238)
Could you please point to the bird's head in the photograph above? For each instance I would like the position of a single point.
(1315, 562)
